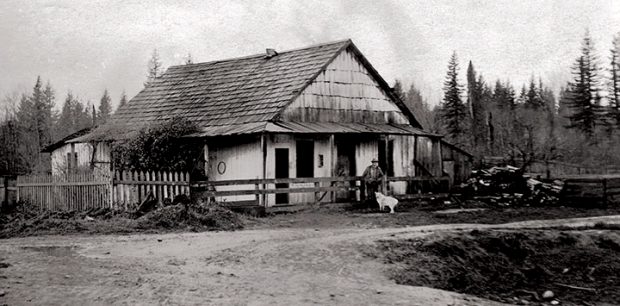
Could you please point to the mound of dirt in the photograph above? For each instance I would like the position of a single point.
(210, 217)
(25, 221)
(510, 266)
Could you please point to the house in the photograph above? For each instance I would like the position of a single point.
(318, 111)
(68, 156)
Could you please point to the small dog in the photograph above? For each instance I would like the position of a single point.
(386, 201)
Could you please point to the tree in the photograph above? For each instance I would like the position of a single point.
(475, 88)
(614, 83)
(584, 91)
(453, 111)
(66, 122)
(123, 100)
(105, 108)
(419, 107)
(155, 68)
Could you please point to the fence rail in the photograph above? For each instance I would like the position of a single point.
(208, 189)
(125, 189)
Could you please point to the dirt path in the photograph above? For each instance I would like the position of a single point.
(254, 267)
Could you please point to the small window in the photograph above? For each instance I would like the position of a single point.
(305, 158)
(321, 160)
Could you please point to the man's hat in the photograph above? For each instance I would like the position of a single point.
(375, 160)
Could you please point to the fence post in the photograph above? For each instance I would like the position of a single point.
(317, 194)
(256, 187)
(605, 191)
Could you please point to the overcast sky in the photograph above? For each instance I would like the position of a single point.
(86, 46)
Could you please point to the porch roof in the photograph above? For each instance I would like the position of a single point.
(311, 128)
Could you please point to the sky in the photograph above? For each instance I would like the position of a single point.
(88, 46)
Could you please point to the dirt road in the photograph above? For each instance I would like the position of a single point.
(297, 266)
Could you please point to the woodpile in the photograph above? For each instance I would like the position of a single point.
(509, 186)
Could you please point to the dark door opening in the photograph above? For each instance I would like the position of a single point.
(345, 166)
(281, 172)
(305, 158)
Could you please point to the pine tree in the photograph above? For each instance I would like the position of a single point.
(105, 108)
(475, 88)
(614, 84)
(66, 122)
(123, 100)
(155, 68)
(584, 97)
(533, 99)
(398, 90)
(454, 111)
(419, 107)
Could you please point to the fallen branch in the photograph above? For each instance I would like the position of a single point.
(576, 287)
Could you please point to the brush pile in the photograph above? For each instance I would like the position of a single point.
(509, 186)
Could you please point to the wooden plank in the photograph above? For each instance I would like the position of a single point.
(267, 191)
(273, 181)
(152, 183)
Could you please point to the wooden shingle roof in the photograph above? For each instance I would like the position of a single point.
(234, 94)
(229, 92)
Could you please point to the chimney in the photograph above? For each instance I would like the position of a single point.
(271, 53)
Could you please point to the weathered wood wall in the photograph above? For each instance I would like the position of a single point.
(456, 164)
(84, 154)
(344, 92)
(428, 154)
(403, 156)
(234, 158)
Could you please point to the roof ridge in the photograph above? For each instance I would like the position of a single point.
(263, 54)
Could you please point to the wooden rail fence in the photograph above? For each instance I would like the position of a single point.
(591, 190)
(416, 185)
(124, 190)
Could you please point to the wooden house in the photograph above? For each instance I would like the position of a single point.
(318, 111)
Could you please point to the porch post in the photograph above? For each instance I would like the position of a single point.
(333, 165)
(263, 145)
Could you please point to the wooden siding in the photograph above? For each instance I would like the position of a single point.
(84, 154)
(234, 158)
(344, 92)
(403, 156)
(428, 155)
(321, 147)
(456, 164)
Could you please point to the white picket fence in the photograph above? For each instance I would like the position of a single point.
(82, 191)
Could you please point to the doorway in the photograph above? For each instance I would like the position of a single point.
(282, 171)
(345, 166)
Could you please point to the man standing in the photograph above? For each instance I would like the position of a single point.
(372, 177)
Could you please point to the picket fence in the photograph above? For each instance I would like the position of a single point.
(83, 191)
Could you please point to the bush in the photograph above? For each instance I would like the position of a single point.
(160, 147)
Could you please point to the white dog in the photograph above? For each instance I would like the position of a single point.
(386, 201)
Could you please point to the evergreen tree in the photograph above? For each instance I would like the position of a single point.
(155, 68)
(533, 99)
(66, 122)
(123, 100)
(614, 84)
(454, 111)
(398, 90)
(419, 107)
(105, 108)
(584, 97)
(475, 88)
(82, 116)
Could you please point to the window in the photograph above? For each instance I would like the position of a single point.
(305, 158)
